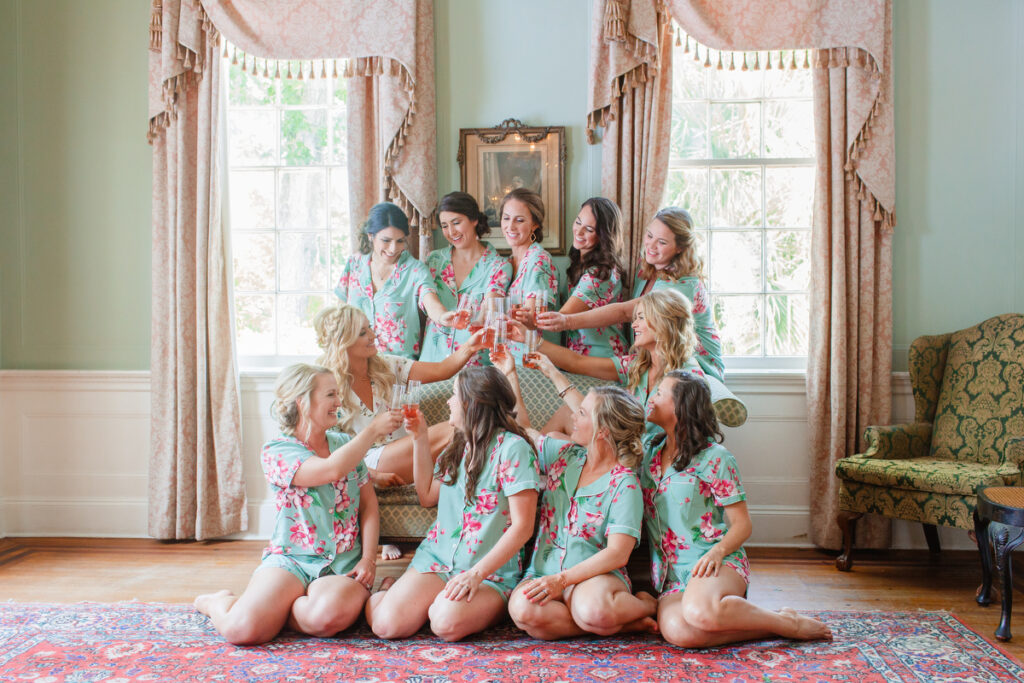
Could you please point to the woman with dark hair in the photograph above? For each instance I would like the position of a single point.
(485, 488)
(697, 520)
(467, 267)
(522, 224)
(594, 277)
(388, 284)
(671, 260)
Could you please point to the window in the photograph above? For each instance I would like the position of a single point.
(289, 215)
(742, 163)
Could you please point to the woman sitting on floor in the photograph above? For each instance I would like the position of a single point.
(697, 520)
(485, 488)
(366, 378)
(663, 340)
(589, 522)
(318, 569)
(671, 260)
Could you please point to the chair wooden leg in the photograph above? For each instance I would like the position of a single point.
(931, 534)
(847, 522)
(984, 594)
(1005, 543)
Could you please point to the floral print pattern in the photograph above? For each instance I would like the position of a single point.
(603, 342)
(536, 274)
(393, 312)
(644, 391)
(684, 511)
(317, 525)
(491, 274)
(575, 522)
(709, 342)
(465, 531)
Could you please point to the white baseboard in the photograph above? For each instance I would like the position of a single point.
(75, 449)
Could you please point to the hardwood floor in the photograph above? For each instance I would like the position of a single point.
(110, 570)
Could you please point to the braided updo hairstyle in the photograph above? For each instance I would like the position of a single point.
(619, 411)
(291, 395)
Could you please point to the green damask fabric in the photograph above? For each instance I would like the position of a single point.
(927, 474)
(942, 509)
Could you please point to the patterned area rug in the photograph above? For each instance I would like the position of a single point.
(152, 642)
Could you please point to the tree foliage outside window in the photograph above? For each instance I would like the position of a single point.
(742, 162)
(288, 205)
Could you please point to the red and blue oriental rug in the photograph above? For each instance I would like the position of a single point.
(47, 643)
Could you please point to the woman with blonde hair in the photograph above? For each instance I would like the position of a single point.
(671, 260)
(485, 488)
(590, 517)
(318, 568)
(663, 340)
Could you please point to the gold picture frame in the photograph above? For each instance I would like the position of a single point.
(493, 161)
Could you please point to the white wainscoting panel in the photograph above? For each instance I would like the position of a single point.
(75, 446)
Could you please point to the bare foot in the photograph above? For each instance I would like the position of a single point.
(644, 625)
(649, 600)
(390, 552)
(202, 603)
(806, 628)
(386, 583)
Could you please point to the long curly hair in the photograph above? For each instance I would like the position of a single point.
(669, 315)
(534, 204)
(696, 421)
(337, 329)
(606, 255)
(688, 262)
(618, 411)
(488, 405)
(291, 395)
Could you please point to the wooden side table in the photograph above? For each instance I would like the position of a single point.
(999, 526)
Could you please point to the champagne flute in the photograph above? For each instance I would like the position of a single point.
(532, 343)
(397, 395)
(463, 312)
(411, 401)
(499, 346)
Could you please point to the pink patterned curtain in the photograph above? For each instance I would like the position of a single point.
(196, 488)
(388, 52)
(849, 365)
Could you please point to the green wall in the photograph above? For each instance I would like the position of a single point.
(75, 167)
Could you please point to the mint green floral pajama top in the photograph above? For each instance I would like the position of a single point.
(465, 531)
(575, 523)
(684, 512)
(536, 274)
(643, 392)
(316, 526)
(602, 342)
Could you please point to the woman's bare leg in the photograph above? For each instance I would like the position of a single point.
(712, 611)
(560, 422)
(397, 455)
(453, 620)
(401, 610)
(603, 605)
(549, 621)
(259, 613)
(331, 604)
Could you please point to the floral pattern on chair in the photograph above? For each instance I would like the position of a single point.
(969, 415)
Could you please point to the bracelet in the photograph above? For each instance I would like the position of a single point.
(563, 392)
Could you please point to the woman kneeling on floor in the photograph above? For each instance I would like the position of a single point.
(697, 520)
(317, 572)
(590, 519)
(485, 488)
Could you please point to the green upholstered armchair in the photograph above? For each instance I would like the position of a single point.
(402, 519)
(968, 417)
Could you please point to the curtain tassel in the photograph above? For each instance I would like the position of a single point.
(707, 59)
(768, 62)
(719, 60)
(302, 69)
(678, 39)
(188, 59)
(234, 57)
(745, 67)
(807, 60)
(323, 69)
(732, 61)
(254, 71)
(265, 74)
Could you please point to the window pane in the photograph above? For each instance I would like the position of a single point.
(788, 321)
(736, 261)
(340, 253)
(304, 264)
(735, 197)
(787, 82)
(789, 263)
(735, 130)
(688, 188)
(247, 89)
(303, 137)
(295, 335)
(301, 201)
(305, 91)
(689, 137)
(339, 85)
(252, 199)
(789, 196)
(736, 84)
(689, 78)
(252, 254)
(339, 141)
(254, 324)
(339, 199)
(789, 129)
(252, 138)
(739, 323)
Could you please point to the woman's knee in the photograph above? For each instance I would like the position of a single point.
(246, 631)
(528, 617)
(702, 615)
(595, 616)
(325, 621)
(386, 622)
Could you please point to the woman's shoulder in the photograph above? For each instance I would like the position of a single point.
(440, 255)
(284, 443)
(715, 462)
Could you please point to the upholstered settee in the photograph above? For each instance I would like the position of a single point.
(402, 519)
(968, 419)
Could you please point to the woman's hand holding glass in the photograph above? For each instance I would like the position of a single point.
(388, 421)
(552, 321)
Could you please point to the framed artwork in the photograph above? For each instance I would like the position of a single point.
(495, 161)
